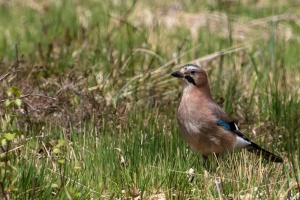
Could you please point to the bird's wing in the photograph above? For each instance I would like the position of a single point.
(223, 119)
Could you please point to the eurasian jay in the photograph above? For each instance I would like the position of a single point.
(204, 124)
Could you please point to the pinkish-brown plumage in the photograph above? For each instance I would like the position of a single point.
(204, 124)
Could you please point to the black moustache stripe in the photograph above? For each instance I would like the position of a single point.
(190, 79)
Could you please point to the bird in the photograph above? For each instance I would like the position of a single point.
(204, 125)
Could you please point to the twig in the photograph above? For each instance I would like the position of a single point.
(34, 109)
(7, 74)
(49, 156)
(29, 95)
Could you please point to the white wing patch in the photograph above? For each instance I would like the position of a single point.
(237, 128)
(241, 142)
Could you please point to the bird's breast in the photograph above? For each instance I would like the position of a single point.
(195, 123)
(190, 122)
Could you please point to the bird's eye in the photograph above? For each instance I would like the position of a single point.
(193, 72)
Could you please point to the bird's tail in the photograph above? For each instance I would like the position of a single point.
(254, 148)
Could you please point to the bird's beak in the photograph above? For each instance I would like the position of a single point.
(177, 74)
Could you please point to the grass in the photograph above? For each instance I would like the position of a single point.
(88, 106)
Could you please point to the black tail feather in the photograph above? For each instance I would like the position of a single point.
(254, 148)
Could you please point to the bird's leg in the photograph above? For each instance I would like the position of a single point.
(204, 160)
(207, 164)
(190, 172)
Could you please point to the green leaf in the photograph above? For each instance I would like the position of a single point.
(56, 150)
(54, 185)
(2, 138)
(14, 90)
(14, 189)
(10, 136)
(76, 168)
(18, 94)
(7, 102)
(18, 102)
(4, 142)
(8, 118)
(61, 161)
(61, 143)
(10, 91)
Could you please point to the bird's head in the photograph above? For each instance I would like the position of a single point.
(191, 75)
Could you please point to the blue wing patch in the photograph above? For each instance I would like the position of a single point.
(224, 124)
(230, 126)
